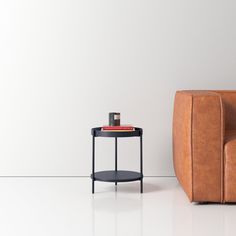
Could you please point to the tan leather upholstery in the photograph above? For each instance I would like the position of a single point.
(182, 141)
(230, 171)
(204, 144)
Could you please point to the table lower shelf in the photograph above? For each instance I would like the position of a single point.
(117, 176)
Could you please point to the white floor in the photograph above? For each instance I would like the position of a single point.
(65, 206)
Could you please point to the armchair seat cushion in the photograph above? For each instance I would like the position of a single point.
(230, 167)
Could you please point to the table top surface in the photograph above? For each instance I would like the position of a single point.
(98, 132)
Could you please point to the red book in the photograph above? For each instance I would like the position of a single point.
(122, 127)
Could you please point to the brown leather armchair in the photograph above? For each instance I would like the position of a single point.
(204, 144)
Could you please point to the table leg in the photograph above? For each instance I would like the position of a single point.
(116, 157)
(93, 163)
(141, 163)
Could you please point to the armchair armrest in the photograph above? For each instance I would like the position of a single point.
(198, 127)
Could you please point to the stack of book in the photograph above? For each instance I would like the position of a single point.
(122, 128)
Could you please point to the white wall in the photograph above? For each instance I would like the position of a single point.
(65, 64)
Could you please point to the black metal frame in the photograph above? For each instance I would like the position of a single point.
(116, 175)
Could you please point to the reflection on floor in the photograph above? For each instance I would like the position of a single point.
(65, 206)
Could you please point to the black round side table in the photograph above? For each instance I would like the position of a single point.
(117, 175)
